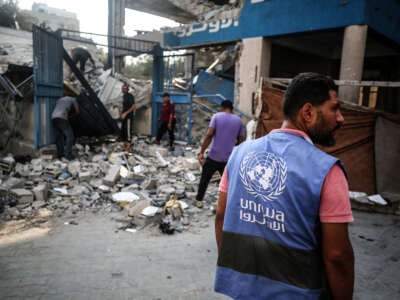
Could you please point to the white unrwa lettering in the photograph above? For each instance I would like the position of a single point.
(253, 212)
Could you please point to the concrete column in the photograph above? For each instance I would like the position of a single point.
(118, 30)
(351, 68)
(254, 63)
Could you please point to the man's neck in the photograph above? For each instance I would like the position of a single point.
(289, 124)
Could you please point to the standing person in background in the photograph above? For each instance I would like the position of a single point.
(62, 127)
(128, 108)
(225, 131)
(167, 121)
(283, 210)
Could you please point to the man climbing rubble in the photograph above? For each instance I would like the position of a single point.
(81, 55)
(64, 134)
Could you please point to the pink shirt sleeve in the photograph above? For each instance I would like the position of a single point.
(335, 202)
(223, 184)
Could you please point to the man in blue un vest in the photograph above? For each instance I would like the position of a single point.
(284, 209)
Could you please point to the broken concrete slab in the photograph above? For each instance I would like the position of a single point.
(41, 192)
(84, 175)
(112, 176)
(13, 182)
(192, 163)
(23, 196)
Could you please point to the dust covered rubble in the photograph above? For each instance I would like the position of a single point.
(150, 186)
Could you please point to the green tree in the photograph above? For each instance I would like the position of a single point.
(141, 69)
(8, 11)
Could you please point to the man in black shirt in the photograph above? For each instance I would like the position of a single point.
(128, 107)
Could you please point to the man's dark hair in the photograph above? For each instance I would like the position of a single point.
(227, 104)
(306, 88)
(165, 95)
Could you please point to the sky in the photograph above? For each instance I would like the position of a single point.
(93, 15)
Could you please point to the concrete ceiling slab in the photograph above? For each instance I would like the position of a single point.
(163, 8)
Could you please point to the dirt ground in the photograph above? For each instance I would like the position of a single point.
(86, 256)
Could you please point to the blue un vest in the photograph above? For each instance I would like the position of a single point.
(271, 239)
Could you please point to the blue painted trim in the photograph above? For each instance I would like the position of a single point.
(384, 17)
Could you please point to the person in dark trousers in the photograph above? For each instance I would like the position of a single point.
(65, 107)
(81, 56)
(283, 211)
(167, 121)
(128, 109)
(225, 131)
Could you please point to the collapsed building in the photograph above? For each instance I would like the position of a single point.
(246, 51)
(355, 42)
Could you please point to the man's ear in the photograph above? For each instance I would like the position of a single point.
(307, 112)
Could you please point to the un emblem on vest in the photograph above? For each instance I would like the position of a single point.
(263, 175)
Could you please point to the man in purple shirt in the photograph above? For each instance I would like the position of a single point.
(225, 131)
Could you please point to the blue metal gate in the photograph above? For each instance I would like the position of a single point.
(166, 70)
(48, 77)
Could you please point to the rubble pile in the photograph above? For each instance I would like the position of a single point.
(150, 185)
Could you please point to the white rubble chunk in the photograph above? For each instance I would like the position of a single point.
(151, 211)
(112, 175)
(125, 197)
(138, 169)
(163, 162)
(104, 188)
(378, 199)
(189, 176)
(62, 191)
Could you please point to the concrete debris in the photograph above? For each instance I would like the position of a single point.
(378, 199)
(163, 162)
(103, 178)
(151, 211)
(112, 176)
(189, 176)
(125, 197)
(41, 192)
(23, 196)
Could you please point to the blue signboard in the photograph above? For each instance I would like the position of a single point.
(280, 17)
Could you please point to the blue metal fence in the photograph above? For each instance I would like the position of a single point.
(165, 69)
(48, 78)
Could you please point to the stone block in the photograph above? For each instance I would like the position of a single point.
(191, 163)
(13, 182)
(41, 192)
(23, 196)
(112, 176)
(84, 175)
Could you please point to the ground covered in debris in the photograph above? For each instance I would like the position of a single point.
(113, 225)
(149, 185)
